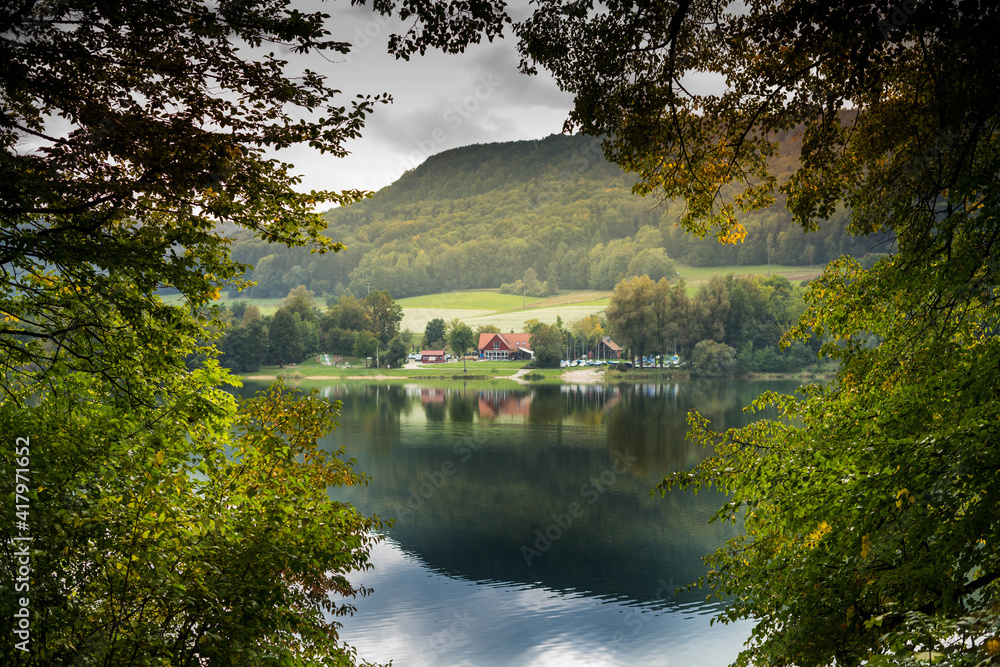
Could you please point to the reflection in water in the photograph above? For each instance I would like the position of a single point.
(540, 496)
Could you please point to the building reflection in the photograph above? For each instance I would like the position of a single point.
(494, 403)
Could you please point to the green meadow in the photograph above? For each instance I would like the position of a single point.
(509, 312)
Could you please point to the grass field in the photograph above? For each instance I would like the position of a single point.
(515, 321)
(489, 301)
(509, 312)
(695, 276)
(495, 309)
(266, 306)
(313, 368)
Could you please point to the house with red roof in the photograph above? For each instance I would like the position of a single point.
(505, 346)
(432, 356)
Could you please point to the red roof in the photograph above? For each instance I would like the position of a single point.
(431, 353)
(511, 341)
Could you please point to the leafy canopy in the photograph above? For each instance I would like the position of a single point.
(461, 338)
(172, 524)
(870, 508)
(133, 134)
(159, 541)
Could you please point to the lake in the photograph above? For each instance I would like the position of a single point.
(525, 533)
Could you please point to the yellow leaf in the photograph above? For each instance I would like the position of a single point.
(814, 537)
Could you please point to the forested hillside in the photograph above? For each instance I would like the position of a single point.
(481, 216)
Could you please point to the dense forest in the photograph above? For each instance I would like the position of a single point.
(480, 216)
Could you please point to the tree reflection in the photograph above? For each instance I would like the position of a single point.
(475, 473)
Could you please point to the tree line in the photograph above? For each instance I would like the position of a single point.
(360, 328)
(732, 325)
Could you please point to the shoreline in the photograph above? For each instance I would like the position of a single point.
(567, 376)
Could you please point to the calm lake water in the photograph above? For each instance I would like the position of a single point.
(525, 533)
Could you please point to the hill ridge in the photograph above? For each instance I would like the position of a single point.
(482, 215)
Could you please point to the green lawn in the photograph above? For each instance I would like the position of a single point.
(473, 300)
(515, 321)
(598, 303)
(696, 275)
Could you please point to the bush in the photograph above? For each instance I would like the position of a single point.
(712, 359)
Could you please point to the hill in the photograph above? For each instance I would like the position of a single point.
(484, 215)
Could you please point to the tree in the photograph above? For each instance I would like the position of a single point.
(338, 341)
(652, 262)
(161, 142)
(434, 332)
(302, 302)
(396, 354)
(712, 306)
(161, 557)
(546, 343)
(460, 339)
(867, 537)
(251, 314)
(407, 337)
(349, 314)
(668, 306)
(385, 315)
(285, 341)
(365, 346)
(712, 359)
(630, 315)
(532, 325)
(244, 347)
(171, 525)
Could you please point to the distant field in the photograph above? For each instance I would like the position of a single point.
(416, 319)
(569, 306)
(515, 321)
(695, 276)
(602, 303)
(479, 307)
(576, 299)
(266, 306)
(482, 300)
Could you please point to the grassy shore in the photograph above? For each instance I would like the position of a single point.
(312, 369)
(491, 371)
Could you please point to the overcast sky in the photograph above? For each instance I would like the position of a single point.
(439, 102)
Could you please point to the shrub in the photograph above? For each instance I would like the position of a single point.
(712, 359)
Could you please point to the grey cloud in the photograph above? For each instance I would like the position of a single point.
(526, 91)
